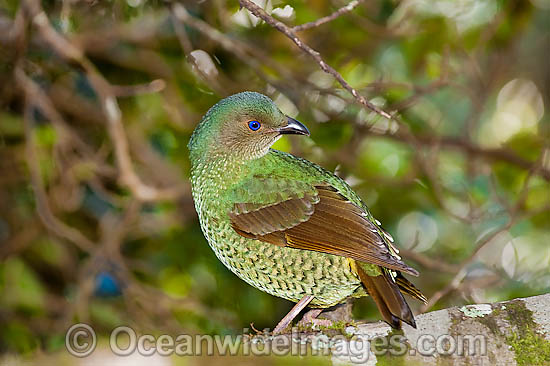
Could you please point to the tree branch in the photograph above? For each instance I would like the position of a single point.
(287, 31)
(496, 154)
(343, 10)
(109, 105)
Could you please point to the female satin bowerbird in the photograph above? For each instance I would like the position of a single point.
(284, 224)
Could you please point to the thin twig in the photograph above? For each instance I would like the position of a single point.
(240, 49)
(435, 264)
(154, 86)
(343, 10)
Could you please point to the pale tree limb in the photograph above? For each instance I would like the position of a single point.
(514, 332)
(507, 333)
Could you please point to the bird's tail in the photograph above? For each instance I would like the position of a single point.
(407, 287)
(388, 298)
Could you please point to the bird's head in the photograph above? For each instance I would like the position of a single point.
(244, 125)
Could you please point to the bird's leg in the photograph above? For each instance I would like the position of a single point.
(341, 312)
(300, 305)
(311, 318)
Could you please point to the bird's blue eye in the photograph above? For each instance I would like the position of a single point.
(254, 125)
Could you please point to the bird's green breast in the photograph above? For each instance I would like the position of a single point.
(280, 271)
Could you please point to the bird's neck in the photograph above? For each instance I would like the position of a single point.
(220, 170)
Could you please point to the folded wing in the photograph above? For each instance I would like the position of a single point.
(319, 219)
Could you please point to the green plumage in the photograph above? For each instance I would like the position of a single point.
(285, 272)
(249, 197)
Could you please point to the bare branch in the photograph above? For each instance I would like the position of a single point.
(281, 27)
(154, 86)
(240, 49)
(343, 10)
(42, 206)
(429, 263)
(64, 48)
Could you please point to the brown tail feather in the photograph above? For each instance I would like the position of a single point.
(388, 298)
(407, 287)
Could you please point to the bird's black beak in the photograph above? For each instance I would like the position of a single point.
(293, 127)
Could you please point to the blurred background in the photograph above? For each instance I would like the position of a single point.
(98, 100)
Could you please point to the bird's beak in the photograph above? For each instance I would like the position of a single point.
(293, 127)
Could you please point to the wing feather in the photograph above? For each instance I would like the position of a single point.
(322, 220)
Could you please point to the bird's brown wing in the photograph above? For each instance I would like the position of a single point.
(322, 220)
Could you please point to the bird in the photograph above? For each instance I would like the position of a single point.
(285, 225)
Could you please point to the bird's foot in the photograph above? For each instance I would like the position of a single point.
(331, 316)
(340, 313)
(309, 317)
(287, 320)
(258, 332)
